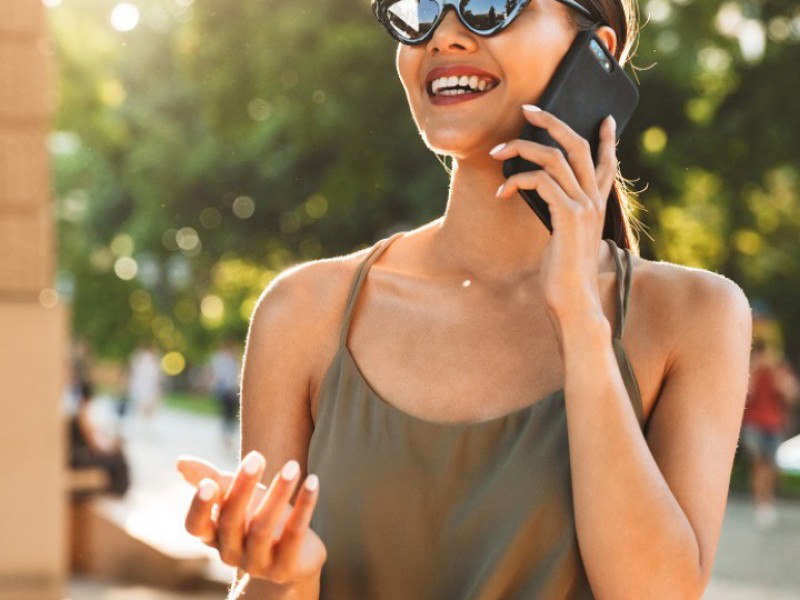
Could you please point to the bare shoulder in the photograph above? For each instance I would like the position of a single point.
(307, 297)
(690, 305)
(300, 314)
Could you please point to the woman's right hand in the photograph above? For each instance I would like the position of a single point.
(255, 528)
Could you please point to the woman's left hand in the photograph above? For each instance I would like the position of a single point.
(576, 193)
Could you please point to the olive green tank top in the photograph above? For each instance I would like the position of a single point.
(411, 509)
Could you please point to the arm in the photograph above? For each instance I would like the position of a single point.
(276, 420)
(649, 511)
(87, 430)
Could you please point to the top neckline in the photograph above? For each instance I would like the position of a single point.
(500, 420)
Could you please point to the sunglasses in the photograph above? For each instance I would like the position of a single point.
(412, 22)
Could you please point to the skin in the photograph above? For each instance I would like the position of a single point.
(537, 316)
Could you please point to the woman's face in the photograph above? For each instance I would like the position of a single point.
(519, 61)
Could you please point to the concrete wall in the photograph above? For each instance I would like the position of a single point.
(32, 500)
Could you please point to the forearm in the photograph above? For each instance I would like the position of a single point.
(635, 540)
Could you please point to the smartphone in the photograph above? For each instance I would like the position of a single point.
(587, 86)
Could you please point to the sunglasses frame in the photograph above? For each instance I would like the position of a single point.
(380, 9)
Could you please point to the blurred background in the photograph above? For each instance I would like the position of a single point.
(162, 160)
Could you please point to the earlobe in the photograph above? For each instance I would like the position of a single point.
(609, 38)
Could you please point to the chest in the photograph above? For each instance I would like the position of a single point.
(465, 353)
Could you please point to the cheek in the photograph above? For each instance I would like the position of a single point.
(408, 67)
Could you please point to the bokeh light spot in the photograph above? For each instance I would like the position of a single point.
(316, 206)
(173, 363)
(126, 268)
(140, 300)
(124, 17)
(654, 140)
(212, 311)
(187, 238)
(122, 245)
(259, 109)
(48, 298)
(169, 239)
(244, 207)
(210, 217)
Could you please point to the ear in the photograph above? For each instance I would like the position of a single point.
(608, 37)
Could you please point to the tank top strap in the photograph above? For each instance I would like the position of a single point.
(358, 281)
(624, 280)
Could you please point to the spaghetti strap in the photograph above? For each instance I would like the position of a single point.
(358, 281)
(624, 281)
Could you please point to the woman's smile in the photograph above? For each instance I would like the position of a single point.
(456, 83)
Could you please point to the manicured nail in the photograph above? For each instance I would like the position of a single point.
(206, 490)
(290, 470)
(613, 122)
(531, 108)
(497, 148)
(500, 189)
(252, 463)
(312, 483)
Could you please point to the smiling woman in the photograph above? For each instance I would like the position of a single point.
(487, 410)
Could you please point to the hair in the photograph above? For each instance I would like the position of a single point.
(621, 225)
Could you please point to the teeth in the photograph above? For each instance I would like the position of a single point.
(442, 85)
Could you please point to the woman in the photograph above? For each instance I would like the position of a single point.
(404, 376)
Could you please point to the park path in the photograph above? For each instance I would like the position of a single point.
(749, 565)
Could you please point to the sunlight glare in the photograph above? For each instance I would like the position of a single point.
(124, 17)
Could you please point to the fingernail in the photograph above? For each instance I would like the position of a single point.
(613, 122)
(497, 148)
(252, 463)
(312, 483)
(206, 490)
(531, 108)
(290, 470)
(500, 189)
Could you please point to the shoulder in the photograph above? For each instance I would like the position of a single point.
(692, 307)
(307, 294)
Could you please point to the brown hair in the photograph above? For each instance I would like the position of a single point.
(623, 17)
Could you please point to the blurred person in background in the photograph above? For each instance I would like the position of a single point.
(91, 448)
(225, 387)
(773, 387)
(454, 412)
(145, 381)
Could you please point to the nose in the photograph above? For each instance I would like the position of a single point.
(451, 35)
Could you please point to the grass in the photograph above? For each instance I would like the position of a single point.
(200, 404)
(788, 483)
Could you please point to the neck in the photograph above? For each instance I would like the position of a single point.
(485, 237)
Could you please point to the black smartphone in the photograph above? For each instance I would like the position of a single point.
(587, 86)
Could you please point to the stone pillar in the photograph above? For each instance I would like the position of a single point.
(32, 339)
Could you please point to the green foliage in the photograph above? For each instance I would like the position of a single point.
(219, 142)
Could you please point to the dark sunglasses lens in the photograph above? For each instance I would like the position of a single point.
(485, 15)
(412, 19)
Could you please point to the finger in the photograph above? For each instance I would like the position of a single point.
(550, 159)
(540, 181)
(194, 470)
(199, 520)
(576, 148)
(233, 510)
(607, 156)
(296, 527)
(261, 534)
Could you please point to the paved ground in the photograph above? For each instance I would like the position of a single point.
(750, 565)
